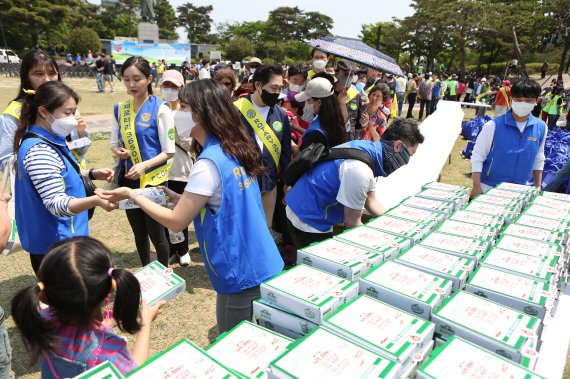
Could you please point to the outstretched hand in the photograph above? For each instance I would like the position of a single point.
(115, 195)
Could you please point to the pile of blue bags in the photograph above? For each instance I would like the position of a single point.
(557, 152)
(470, 130)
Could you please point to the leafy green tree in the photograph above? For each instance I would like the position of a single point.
(558, 12)
(81, 40)
(237, 48)
(314, 25)
(196, 20)
(166, 20)
(119, 19)
(390, 37)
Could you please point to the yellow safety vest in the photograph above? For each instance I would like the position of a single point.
(260, 128)
(351, 93)
(14, 109)
(127, 127)
(310, 74)
(552, 105)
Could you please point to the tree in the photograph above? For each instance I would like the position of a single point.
(239, 47)
(390, 37)
(315, 25)
(196, 20)
(81, 40)
(285, 22)
(119, 19)
(559, 14)
(166, 20)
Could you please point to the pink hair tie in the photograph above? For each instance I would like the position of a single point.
(110, 272)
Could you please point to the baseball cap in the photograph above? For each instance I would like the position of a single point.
(318, 87)
(255, 60)
(346, 66)
(483, 80)
(172, 76)
(507, 82)
(291, 99)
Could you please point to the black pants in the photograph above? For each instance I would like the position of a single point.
(411, 103)
(180, 248)
(143, 227)
(427, 105)
(303, 239)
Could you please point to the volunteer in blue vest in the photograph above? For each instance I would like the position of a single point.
(51, 199)
(223, 199)
(142, 137)
(341, 189)
(270, 131)
(510, 148)
(327, 126)
(170, 85)
(37, 67)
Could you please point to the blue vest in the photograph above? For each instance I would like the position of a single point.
(235, 244)
(313, 198)
(37, 227)
(512, 153)
(315, 127)
(146, 129)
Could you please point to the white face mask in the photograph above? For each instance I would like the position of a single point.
(169, 94)
(522, 109)
(295, 88)
(308, 113)
(184, 123)
(63, 126)
(319, 64)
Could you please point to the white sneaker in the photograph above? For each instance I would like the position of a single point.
(185, 259)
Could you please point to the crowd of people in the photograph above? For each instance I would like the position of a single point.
(218, 147)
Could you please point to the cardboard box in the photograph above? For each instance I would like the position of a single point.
(502, 201)
(248, 349)
(470, 248)
(183, 360)
(78, 143)
(159, 283)
(323, 354)
(536, 234)
(407, 288)
(463, 229)
(153, 193)
(461, 359)
(458, 199)
(523, 294)
(529, 247)
(402, 228)
(278, 317)
(418, 360)
(374, 240)
(523, 197)
(105, 370)
(429, 204)
(279, 329)
(543, 269)
(339, 258)
(552, 203)
(416, 215)
(492, 209)
(545, 223)
(491, 325)
(557, 196)
(446, 187)
(307, 292)
(447, 266)
(532, 190)
(381, 328)
(547, 212)
(478, 219)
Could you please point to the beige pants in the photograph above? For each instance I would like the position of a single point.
(268, 200)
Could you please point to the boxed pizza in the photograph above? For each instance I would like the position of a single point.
(407, 288)
(464, 229)
(465, 247)
(429, 204)
(271, 316)
(403, 228)
(339, 258)
(417, 215)
(447, 266)
(389, 245)
(308, 292)
(159, 283)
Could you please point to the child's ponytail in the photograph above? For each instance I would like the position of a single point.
(127, 300)
(39, 334)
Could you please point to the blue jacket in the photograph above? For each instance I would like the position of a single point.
(512, 153)
(278, 122)
(37, 227)
(313, 198)
(235, 244)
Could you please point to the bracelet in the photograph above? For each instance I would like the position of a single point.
(91, 176)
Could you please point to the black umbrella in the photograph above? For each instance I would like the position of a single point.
(358, 52)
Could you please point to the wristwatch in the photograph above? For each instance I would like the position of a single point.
(136, 193)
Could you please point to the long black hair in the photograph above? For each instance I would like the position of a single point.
(142, 65)
(33, 58)
(331, 120)
(76, 282)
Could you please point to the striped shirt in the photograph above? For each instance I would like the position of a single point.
(44, 167)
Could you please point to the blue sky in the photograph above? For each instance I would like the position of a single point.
(348, 16)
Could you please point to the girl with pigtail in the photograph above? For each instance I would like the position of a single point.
(76, 280)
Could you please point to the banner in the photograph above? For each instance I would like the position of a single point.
(172, 53)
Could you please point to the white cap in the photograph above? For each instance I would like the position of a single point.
(318, 87)
(483, 80)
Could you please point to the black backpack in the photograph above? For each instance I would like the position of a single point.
(316, 153)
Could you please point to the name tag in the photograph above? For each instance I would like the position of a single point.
(533, 139)
(79, 143)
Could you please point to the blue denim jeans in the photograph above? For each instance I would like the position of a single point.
(99, 79)
(5, 349)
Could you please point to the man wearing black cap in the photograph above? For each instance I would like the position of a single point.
(348, 94)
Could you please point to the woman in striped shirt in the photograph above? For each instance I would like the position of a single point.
(51, 202)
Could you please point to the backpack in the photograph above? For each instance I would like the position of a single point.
(317, 153)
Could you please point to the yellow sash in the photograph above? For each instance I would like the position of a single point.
(127, 125)
(394, 110)
(351, 94)
(260, 127)
(80, 161)
(14, 109)
(504, 92)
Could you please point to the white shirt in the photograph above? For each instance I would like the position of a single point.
(205, 180)
(204, 73)
(356, 181)
(165, 123)
(485, 140)
(263, 112)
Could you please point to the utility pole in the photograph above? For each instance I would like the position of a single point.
(2, 29)
(378, 31)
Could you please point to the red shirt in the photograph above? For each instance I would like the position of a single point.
(500, 97)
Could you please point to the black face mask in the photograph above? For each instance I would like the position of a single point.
(268, 98)
(392, 160)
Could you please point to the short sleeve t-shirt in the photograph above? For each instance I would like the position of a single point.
(205, 180)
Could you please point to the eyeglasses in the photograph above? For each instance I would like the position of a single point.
(227, 84)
